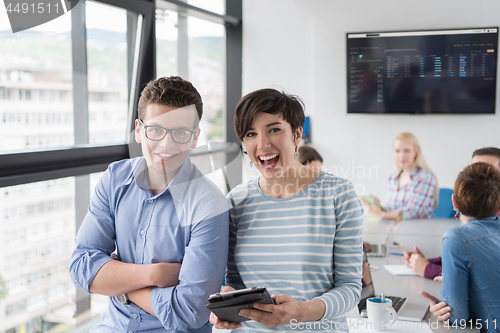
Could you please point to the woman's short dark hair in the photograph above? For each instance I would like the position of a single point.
(477, 190)
(289, 107)
(308, 154)
(171, 91)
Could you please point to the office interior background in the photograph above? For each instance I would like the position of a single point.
(68, 97)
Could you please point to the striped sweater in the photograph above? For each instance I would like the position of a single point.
(307, 246)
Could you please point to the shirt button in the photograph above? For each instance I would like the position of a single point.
(150, 200)
(130, 332)
(142, 232)
(135, 316)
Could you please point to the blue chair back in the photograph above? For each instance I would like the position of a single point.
(445, 205)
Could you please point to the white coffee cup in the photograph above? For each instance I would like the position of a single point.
(379, 314)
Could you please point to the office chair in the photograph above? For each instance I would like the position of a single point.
(445, 205)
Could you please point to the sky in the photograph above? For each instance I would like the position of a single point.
(113, 19)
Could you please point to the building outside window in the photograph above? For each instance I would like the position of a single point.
(39, 219)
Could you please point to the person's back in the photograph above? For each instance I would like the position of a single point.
(471, 264)
(473, 247)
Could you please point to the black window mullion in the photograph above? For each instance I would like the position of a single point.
(147, 57)
(28, 167)
(233, 47)
(80, 86)
(80, 124)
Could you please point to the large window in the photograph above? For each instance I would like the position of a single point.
(107, 73)
(36, 87)
(193, 48)
(68, 98)
(38, 226)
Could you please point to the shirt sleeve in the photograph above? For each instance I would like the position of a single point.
(183, 306)
(233, 277)
(347, 254)
(456, 268)
(95, 240)
(433, 268)
(420, 202)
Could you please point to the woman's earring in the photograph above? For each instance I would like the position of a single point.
(251, 164)
(296, 155)
(457, 214)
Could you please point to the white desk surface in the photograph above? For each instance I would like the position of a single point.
(427, 235)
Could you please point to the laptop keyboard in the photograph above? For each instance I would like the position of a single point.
(397, 302)
(374, 248)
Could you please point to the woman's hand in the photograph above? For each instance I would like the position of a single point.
(415, 260)
(440, 310)
(286, 309)
(372, 209)
(221, 324)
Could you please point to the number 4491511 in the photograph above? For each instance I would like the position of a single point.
(39, 8)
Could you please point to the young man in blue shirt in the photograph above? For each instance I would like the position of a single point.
(166, 222)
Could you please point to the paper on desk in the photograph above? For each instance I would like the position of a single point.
(399, 270)
(360, 325)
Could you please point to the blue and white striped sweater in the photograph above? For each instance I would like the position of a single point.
(307, 246)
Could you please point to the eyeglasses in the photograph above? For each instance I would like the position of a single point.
(157, 133)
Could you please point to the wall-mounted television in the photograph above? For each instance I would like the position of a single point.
(450, 71)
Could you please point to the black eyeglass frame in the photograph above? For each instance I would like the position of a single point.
(166, 132)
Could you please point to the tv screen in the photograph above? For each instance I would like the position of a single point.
(432, 71)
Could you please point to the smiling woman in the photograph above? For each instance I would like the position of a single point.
(413, 187)
(282, 224)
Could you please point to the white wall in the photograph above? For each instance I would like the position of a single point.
(299, 45)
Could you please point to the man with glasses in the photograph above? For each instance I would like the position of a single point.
(167, 223)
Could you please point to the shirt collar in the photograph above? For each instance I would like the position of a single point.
(413, 171)
(177, 187)
(490, 219)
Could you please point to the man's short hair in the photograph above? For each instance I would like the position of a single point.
(490, 151)
(477, 190)
(289, 107)
(308, 154)
(171, 91)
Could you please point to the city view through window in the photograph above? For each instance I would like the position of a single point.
(37, 220)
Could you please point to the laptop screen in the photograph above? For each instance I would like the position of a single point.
(367, 291)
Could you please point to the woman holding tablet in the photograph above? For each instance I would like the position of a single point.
(413, 190)
(295, 230)
(471, 264)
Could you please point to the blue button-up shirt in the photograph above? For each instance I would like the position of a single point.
(186, 223)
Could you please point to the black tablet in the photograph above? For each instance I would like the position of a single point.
(226, 306)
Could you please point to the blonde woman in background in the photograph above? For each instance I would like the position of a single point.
(310, 158)
(413, 187)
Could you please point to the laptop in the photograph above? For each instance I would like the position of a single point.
(380, 240)
(404, 307)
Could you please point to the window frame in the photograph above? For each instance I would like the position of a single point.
(37, 165)
(82, 159)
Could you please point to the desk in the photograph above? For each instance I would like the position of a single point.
(427, 235)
